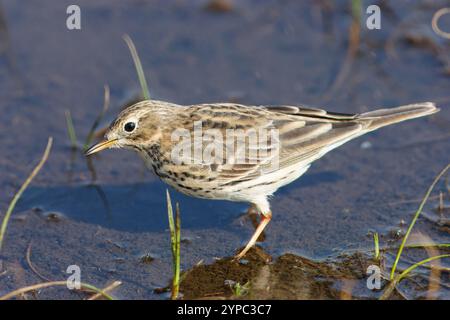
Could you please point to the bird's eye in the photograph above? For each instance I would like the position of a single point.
(129, 126)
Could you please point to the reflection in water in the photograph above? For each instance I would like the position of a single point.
(90, 165)
(295, 277)
(104, 201)
(75, 150)
(288, 277)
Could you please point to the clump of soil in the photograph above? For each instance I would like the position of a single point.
(289, 277)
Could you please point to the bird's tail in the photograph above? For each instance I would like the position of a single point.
(384, 117)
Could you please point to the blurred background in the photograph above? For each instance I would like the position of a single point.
(113, 223)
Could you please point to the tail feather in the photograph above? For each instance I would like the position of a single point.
(383, 117)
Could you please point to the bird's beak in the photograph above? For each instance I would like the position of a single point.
(105, 144)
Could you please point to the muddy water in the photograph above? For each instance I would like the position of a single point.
(281, 52)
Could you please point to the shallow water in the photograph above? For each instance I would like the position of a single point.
(281, 52)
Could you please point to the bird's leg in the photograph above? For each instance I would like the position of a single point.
(254, 219)
(253, 215)
(265, 219)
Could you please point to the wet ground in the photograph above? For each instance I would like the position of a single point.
(319, 242)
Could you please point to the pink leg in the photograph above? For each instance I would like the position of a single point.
(265, 219)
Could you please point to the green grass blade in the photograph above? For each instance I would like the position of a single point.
(416, 216)
(414, 266)
(356, 6)
(176, 276)
(393, 284)
(97, 290)
(175, 240)
(103, 292)
(428, 245)
(71, 130)
(23, 188)
(99, 118)
(138, 65)
(171, 222)
(377, 245)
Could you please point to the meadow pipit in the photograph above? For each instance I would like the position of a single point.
(240, 153)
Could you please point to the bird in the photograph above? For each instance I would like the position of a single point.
(185, 145)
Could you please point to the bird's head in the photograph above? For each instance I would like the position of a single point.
(136, 127)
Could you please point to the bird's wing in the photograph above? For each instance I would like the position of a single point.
(286, 136)
(306, 134)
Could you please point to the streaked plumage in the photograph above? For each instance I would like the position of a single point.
(304, 135)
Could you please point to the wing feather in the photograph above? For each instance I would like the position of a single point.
(304, 134)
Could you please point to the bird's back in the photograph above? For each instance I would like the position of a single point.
(236, 152)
